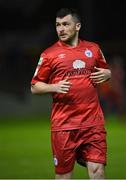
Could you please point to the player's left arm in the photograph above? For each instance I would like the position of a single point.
(102, 72)
(101, 75)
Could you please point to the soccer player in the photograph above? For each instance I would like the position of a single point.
(70, 70)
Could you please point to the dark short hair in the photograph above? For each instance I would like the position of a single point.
(68, 11)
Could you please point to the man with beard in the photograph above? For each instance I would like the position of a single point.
(70, 70)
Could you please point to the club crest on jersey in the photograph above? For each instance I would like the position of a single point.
(88, 53)
(78, 64)
(55, 161)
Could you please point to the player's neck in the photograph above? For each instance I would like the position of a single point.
(74, 42)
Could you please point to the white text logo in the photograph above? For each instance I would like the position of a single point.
(61, 56)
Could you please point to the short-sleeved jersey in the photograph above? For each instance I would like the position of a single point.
(80, 107)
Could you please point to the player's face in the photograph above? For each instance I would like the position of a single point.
(67, 28)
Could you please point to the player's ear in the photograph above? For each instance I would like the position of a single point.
(78, 26)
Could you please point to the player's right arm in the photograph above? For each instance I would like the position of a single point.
(60, 87)
(39, 83)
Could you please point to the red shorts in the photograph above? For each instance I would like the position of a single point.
(69, 145)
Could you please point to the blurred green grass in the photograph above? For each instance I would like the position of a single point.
(25, 150)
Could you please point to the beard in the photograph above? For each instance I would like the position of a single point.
(68, 39)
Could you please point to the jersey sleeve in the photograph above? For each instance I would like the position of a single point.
(42, 71)
(100, 61)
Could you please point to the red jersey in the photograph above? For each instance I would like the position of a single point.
(79, 108)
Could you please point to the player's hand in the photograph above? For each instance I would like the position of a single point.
(62, 86)
(101, 75)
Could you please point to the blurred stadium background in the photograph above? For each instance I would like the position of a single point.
(26, 29)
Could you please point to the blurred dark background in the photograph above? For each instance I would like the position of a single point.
(27, 27)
